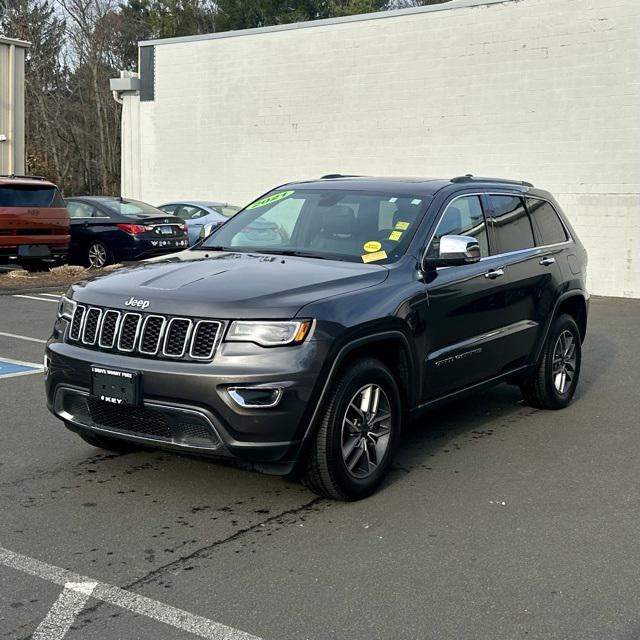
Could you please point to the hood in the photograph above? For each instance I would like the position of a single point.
(228, 285)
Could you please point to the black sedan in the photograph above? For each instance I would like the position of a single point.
(106, 230)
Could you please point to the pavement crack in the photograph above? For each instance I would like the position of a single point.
(204, 551)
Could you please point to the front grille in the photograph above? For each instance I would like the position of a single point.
(175, 341)
(129, 331)
(158, 423)
(90, 331)
(145, 335)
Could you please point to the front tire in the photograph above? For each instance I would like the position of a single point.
(553, 383)
(358, 434)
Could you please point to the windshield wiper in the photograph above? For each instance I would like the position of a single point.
(202, 247)
(291, 252)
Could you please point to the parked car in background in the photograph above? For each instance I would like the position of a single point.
(108, 229)
(202, 217)
(34, 223)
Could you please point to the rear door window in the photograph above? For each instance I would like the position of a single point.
(546, 221)
(511, 224)
(30, 196)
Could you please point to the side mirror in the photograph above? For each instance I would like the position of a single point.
(452, 251)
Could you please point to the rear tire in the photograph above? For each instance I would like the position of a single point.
(554, 381)
(98, 255)
(358, 433)
(110, 444)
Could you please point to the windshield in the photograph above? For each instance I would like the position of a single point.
(357, 226)
(133, 208)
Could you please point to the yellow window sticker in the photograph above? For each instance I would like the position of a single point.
(372, 257)
(403, 226)
(372, 245)
(395, 235)
(274, 197)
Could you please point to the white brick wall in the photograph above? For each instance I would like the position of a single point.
(542, 90)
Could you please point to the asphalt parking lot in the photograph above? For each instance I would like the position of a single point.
(498, 521)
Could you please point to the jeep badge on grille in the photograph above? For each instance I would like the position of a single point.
(134, 302)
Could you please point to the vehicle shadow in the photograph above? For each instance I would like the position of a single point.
(484, 414)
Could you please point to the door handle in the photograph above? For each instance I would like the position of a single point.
(492, 274)
(545, 262)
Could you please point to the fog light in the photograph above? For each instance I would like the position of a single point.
(255, 397)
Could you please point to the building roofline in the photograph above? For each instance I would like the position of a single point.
(17, 43)
(378, 15)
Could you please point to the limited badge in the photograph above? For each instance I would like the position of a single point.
(372, 245)
(395, 235)
(403, 226)
(263, 202)
(373, 257)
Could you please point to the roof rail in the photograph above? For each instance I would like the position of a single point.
(13, 175)
(471, 178)
(338, 175)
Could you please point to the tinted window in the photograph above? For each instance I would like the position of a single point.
(550, 228)
(511, 223)
(31, 196)
(462, 217)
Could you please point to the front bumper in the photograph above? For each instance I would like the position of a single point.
(189, 402)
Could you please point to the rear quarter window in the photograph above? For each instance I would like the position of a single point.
(546, 221)
(30, 196)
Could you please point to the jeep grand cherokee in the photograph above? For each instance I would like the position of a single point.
(305, 351)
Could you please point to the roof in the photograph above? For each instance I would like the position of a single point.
(408, 186)
(25, 181)
(378, 15)
(17, 43)
(200, 203)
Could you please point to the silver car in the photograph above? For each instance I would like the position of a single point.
(201, 216)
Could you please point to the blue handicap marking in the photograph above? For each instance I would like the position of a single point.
(8, 368)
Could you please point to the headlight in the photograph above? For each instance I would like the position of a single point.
(269, 334)
(66, 308)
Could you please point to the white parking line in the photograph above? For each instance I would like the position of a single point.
(18, 337)
(18, 295)
(177, 618)
(64, 611)
(51, 295)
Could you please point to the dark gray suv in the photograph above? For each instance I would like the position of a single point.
(301, 335)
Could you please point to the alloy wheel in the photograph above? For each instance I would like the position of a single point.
(97, 255)
(563, 364)
(366, 431)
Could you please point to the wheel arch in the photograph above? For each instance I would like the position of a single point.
(574, 303)
(392, 348)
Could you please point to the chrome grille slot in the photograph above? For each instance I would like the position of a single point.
(129, 328)
(76, 323)
(151, 333)
(205, 338)
(145, 335)
(176, 337)
(91, 324)
(109, 329)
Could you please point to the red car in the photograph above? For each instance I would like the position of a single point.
(34, 222)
